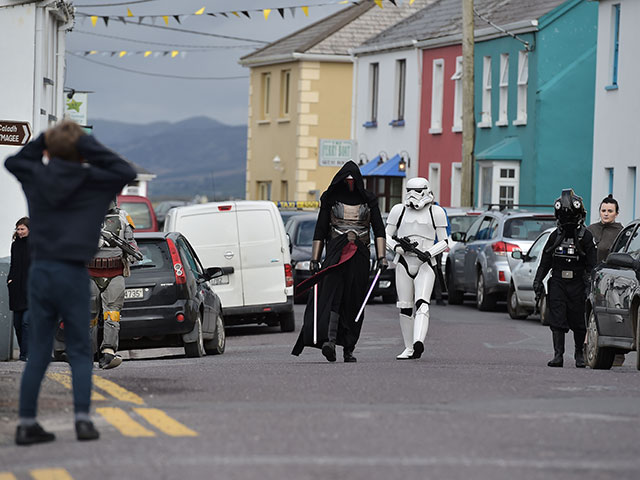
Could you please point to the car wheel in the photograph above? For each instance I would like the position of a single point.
(484, 301)
(391, 298)
(216, 345)
(454, 297)
(513, 307)
(287, 322)
(544, 310)
(598, 358)
(196, 349)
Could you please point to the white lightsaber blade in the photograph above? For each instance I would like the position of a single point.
(315, 314)
(373, 284)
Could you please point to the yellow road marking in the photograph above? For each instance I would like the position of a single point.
(65, 381)
(7, 476)
(165, 423)
(123, 422)
(50, 474)
(117, 391)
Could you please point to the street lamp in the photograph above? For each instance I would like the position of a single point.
(405, 161)
(362, 159)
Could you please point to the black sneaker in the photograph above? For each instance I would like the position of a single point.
(30, 434)
(108, 361)
(85, 430)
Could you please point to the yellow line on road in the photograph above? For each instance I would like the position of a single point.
(7, 476)
(50, 474)
(123, 422)
(165, 423)
(117, 391)
(65, 381)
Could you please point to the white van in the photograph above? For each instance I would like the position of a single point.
(248, 240)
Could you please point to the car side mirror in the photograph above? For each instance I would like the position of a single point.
(623, 260)
(517, 254)
(458, 236)
(213, 272)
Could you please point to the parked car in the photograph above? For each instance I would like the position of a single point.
(168, 299)
(248, 239)
(141, 212)
(521, 298)
(300, 229)
(460, 220)
(613, 306)
(162, 208)
(478, 262)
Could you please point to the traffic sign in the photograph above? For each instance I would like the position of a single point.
(14, 133)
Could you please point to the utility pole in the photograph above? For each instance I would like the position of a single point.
(468, 117)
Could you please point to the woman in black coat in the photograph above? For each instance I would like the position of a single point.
(17, 283)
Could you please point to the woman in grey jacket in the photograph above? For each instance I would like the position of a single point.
(605, 231)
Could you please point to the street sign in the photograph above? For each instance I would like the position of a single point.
(14, 133)
(335, 153)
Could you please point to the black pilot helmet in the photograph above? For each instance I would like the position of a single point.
(569, 209)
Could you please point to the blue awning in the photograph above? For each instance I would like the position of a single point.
(506, 149)
(370, 166)
(387, 169)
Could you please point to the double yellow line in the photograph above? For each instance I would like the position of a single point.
(122, 420)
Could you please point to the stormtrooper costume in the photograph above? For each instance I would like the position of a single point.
(420, 221)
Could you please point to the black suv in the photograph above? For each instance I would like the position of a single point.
(168, 300)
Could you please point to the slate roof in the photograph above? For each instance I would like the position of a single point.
(337, 34)
(444, 19)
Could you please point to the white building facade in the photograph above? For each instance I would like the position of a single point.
(616, 142)
(31, 86)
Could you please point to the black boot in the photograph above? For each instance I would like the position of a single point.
(329, 350)
(348, 356)
(578, 337)
(329, 347)
(558, 349)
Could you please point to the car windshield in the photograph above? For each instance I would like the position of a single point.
(524, 228)
(461, 223)
(304, 237)
(155, 256)
(139, 213)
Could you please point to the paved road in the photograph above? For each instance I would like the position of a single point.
(481, 404)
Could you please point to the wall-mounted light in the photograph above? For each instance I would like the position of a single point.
(383, 157)
(405, 161)
(362, 159)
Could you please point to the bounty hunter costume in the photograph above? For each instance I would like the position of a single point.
(416, 223)
(108, 270)
(347, 211)
(570, 254)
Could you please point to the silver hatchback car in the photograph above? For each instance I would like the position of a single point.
(478, 262)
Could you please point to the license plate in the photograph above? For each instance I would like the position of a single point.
(223, 280)
(133, 293)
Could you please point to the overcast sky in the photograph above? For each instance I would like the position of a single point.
(131, 97)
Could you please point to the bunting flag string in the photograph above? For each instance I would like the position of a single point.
(265, 12)
(144, 53)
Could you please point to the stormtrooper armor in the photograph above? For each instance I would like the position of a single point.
(420, 221)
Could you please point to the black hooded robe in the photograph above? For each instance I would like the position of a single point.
(342, 286)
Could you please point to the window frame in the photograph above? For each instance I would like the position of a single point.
(374, 85)
(485, 114)
(265, 95)
(457, 96)
(401, 87)
(523, 87)
(503, 83)
(285, 93)
(437, 95)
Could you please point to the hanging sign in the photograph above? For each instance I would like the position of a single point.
(335, 153)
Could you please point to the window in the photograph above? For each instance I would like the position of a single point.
(634, 244)
(401, 80)
(457, 99)
(265, 89)
(284, 190)
(609, 175)
(437, 96)
(387, 189)
(374, 72)
(473, 229)
(285, 89)
(536, 248)
(527, 228)
(507, 173)
(456, 184)
(507, 195)
(499, 183)
(434, 180)
(485, 117)
(523, 80)
(484, 232)
(486, 183)
(504, 90)
(264, 190)
(622, 239)
(615, 47)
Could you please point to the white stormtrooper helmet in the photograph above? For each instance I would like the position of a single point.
(419, 193)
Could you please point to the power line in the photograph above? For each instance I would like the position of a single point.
(84, 32)
(117, 4)
(182, 77)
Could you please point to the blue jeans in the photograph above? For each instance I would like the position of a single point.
(21, 325)
(57, 290)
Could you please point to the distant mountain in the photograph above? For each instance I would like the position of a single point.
(197, 156)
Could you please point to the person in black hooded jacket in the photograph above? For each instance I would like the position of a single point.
(347, 212)
(17, 284)
(68, 196)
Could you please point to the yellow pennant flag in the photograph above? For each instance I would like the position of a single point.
(147, 53)
(94, 20)
(166, 19)
(305, 10)
(379, 3)
(93, 52)
(411, 2)
(129, 14)
(174, 53)
(122, 53)
(199, 12)
(236, 14)
(266, 13)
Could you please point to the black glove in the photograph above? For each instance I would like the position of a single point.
(538, 287)
(383, 264)
(314, 266)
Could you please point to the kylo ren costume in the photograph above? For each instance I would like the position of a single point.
(347, 212)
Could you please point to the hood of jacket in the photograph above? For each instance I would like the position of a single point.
(338, 183)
